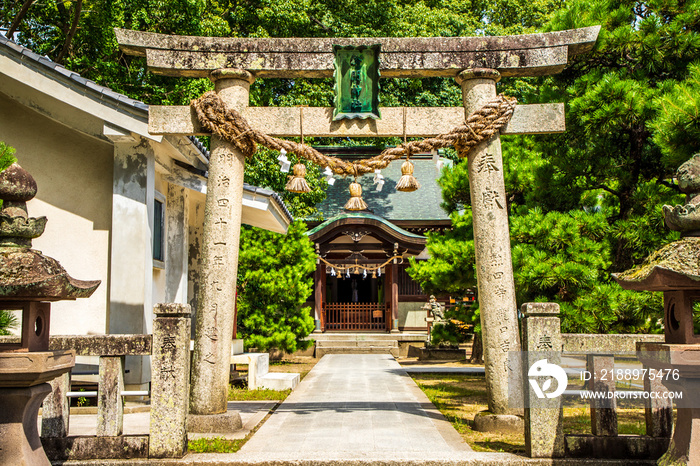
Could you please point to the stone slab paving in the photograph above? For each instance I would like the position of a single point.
(355, 406)
(137, 421)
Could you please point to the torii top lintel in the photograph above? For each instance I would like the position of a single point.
(522, 55)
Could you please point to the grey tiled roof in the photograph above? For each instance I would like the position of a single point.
(270, 193)
(422, 204)
(106, 94)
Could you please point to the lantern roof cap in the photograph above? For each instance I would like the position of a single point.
(675, 266)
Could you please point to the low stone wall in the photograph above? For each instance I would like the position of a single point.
(544, 437)
(169, 348)
(440, 354)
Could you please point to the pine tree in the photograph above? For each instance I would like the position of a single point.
(274, 281)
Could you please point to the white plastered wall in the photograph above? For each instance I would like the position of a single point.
(74, 177)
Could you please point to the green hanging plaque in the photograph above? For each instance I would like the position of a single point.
(356, 82)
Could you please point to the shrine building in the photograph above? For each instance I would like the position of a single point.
(361, 283)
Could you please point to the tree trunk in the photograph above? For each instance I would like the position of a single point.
(477, 356)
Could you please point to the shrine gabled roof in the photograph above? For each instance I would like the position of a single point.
(422, 205)
(382, 228)
(363, 216)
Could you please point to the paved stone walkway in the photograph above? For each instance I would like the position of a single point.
(355, 406)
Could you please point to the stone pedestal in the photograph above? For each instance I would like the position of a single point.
(684, 360)
(503, 423)
(499, 323)
(19, 436)
(222, 222)
(23, 378)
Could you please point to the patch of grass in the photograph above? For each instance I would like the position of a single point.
(263, 394)
(215, 445)
(460, 397)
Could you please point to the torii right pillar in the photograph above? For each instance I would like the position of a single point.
(494, 268)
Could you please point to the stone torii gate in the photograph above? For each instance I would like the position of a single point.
(477, 63)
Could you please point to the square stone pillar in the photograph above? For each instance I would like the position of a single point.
(494, 268)
(544, 436)
(170, 384)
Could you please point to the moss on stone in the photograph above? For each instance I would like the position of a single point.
(681, 257)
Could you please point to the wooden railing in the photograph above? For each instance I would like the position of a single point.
(355, 316)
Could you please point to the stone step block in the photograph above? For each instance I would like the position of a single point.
(279, 381)
(321, 351)
(356, 343)
(258, 366)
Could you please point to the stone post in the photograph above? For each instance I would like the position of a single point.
(55, 412)
(170, 363)
(222, 223)
(603, 410)
(544, 437)
(658, 411)
(110, 404)
(499, 322)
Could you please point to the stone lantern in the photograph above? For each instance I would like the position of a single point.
(29, 281)
(675, 270)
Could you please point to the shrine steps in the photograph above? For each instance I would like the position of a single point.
(356, 344)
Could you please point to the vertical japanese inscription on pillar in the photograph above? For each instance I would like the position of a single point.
(168, 348)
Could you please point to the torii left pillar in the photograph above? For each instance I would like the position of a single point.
(217, 296)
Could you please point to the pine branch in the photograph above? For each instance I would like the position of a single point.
(323, 26)
(608, 189)
(668, 184)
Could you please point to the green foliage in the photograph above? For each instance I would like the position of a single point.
(677, 125)
(7, 156)
(215, 445)
(8, 321)
(451, 266)
(564, 258)
(627, 112)
(274, 282)
(449, 333)
(588, 202)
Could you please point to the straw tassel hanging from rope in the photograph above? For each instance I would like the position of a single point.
(297, 183)
(356, 202)
(407, 182)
